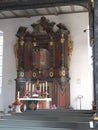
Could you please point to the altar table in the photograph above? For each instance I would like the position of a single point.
(46, 101)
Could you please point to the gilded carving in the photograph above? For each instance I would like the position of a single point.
(21, 74)
(16, 53)
(62, 38)
(34, 74)
(43, 25)
(70, 48)
(51, 74)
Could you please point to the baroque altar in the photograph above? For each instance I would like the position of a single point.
(43, 62)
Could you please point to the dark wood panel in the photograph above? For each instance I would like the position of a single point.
(43, 55)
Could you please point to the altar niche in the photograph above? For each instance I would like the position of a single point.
(44, 55)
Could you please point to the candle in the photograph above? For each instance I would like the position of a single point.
(43, 86)
(46, 85)
(29, 86)
(18, 94)
(26, 85)
(40, 87)
(32, 87)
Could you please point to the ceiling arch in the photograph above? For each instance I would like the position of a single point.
(29, 8)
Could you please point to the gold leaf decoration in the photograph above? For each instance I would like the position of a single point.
(51, 74)
(63, 73)
(34, 74)
(21, 74)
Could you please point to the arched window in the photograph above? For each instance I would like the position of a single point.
(1, 59)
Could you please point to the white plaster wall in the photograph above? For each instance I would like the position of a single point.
(80, 83)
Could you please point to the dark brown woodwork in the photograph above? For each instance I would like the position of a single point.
(61, 100)
(28, 52)
(43, 55)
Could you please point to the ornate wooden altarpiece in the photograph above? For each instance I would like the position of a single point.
(44, 54)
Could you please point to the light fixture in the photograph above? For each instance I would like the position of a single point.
(92, 1)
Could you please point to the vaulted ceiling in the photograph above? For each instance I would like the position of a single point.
(30, 8)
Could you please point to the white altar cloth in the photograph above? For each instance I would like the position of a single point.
(46, 100)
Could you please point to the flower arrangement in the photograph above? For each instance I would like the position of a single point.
(17, 102)
(53, 106)
(37, 91)
(45, 93)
